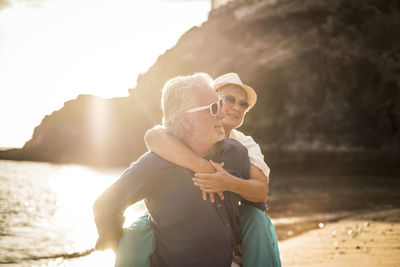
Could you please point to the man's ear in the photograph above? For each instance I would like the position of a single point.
(186, 122)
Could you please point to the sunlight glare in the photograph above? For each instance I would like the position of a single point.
(77, 187)
(63, 48)
(98, 119)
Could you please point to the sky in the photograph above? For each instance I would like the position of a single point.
(53, 50)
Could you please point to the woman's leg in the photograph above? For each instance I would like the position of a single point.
(259, 242)
(136, 245)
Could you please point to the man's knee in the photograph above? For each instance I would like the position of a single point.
(254, 219)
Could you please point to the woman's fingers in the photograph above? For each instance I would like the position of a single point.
(207, 176)
(205, 187)
(211, 194)
(209, 183)
(208, 190)
(216, 166)
(211, 197)
(202, 182)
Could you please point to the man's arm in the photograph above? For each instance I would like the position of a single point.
(133, 185)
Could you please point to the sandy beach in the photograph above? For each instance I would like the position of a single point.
(364, 239)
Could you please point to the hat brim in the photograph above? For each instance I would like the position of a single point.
(251, 94)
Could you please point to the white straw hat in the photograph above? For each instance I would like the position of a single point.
(233, 78)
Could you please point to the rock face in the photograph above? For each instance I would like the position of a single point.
(327, 75)
(89, 130)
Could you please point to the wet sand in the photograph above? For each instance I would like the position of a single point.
(364, 239)
(308, 200)
(336, 219)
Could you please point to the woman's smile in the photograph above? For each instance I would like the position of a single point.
(232, 115)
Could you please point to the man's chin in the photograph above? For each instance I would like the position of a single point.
(221, 136)
(219, 132)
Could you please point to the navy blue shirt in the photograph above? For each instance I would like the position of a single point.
(188, 230)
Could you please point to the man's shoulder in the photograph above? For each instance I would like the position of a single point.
(232, 145)
(233, 151)
(235, 157)
(235, 134)
(152, 160)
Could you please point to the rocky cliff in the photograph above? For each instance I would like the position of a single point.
(327, 74)
(89, 130)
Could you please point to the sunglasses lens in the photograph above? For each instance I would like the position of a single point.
(231, 99)
(244, 104)
(214, 109)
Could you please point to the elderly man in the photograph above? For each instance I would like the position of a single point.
(188, 230)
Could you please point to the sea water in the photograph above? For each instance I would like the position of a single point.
(46, 210)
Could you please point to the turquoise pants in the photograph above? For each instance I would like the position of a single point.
(259, 243)
(260, 246)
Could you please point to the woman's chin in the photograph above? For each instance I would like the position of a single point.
(230, 124)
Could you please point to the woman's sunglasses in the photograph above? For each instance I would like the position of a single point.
(232, 100)
(213, 107)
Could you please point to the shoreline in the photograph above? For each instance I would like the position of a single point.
(286, 162)
(322, 198)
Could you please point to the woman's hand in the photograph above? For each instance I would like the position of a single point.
(212, 182)
(211, 195)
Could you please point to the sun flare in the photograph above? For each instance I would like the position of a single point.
(60, 49)
(76, 188)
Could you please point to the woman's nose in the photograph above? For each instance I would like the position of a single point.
(236, 106)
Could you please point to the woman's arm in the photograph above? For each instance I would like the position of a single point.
(159, 141)
(255, 154)
(255, 189)
(162, 143)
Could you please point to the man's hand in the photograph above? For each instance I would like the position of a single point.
(109, 242)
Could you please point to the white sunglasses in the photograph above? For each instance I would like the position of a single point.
(213, 107)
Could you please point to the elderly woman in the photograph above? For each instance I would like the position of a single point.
(259, 243)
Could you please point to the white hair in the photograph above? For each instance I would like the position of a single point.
(178, 95)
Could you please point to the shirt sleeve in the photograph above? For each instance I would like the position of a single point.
(134, 184)
(255, 155)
